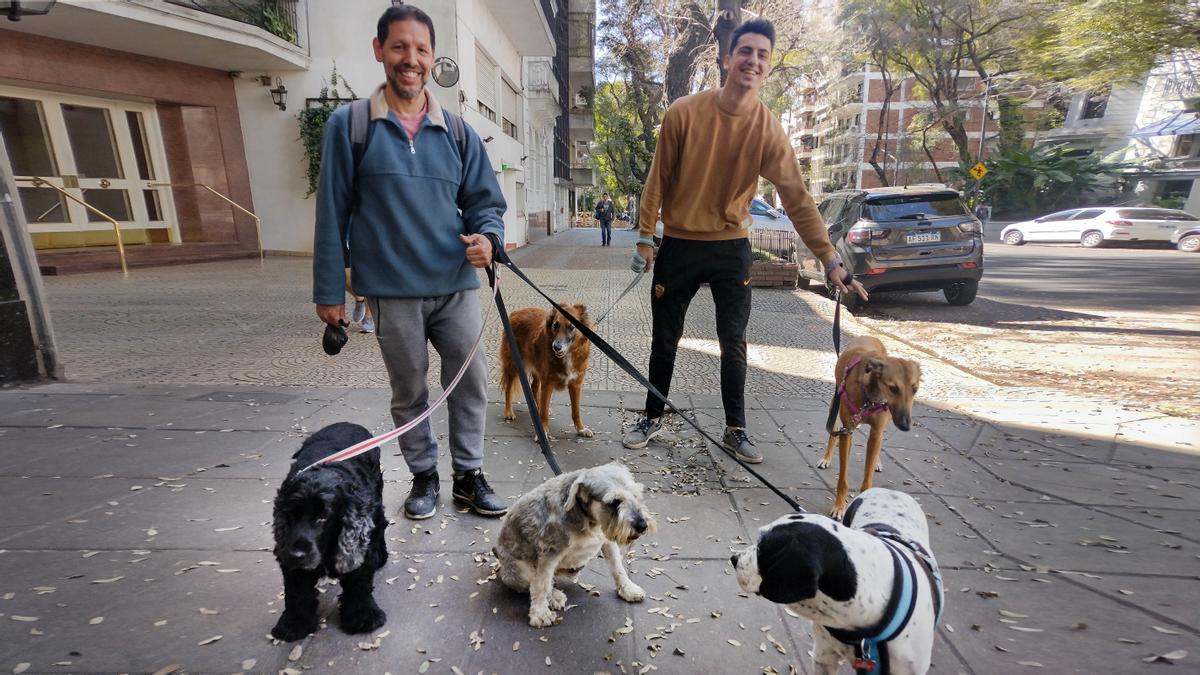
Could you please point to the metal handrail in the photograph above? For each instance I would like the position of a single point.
(40, 182)
(257, 220)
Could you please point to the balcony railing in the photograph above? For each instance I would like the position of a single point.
(277, 17)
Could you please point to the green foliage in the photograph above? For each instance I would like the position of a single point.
(1170, 202)
(620, 154)
(312, 126)
(1096, 43)
(1026, 181)
(275, 23)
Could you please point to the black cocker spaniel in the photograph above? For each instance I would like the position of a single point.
(329, 522)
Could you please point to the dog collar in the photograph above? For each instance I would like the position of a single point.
(870, 644)
(869, 407)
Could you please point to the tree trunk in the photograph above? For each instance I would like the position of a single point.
(681, 62)
(729, 17)
(889, 88)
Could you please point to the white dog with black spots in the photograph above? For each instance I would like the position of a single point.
(841, 577)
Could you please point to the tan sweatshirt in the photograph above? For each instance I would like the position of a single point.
(706, 168)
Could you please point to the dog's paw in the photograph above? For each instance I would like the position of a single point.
(549, 436)
(510, 416)
(837, 512)
(585, 432)
(362, 619)
(631, 592)
(558, 599)
(540, 617)
(879, 466)
(823, 464)
(290, 629)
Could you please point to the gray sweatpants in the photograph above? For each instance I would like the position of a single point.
(450, 323)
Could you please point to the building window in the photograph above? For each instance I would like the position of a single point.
(1184, 145)
(1094, 106)
(485, 84)
(510, 115)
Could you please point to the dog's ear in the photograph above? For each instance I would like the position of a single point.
(873, 366)
(797, 559)
(582, 313)
(577, 495)
(357, 524)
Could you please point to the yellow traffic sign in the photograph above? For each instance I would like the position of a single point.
(978, 171)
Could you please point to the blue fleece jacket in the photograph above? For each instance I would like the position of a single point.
(414, 200)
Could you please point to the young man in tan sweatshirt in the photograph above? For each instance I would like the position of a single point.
(712, 148)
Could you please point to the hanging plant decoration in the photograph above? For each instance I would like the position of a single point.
(312, 124)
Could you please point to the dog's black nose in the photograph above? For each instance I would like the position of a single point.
(640, 525)
(733, 560)
(903, 423)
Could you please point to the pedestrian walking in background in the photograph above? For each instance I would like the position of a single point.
(420, 209)
(704, 189)
(605, 214)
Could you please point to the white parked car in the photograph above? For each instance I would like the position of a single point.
(1092, 227)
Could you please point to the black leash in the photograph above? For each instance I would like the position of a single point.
(835, 402)
(620, 297)
(502, 258)
(515, 351)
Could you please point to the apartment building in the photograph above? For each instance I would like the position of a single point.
(138, 107)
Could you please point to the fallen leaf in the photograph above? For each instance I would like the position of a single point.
(209, 641)
(1165, 631)
(294, 655)
(20, 668)
(23, 618)
(107, 581)
(424, 667)
(166, 670)
(1023, 629)
(95, 620)
(1012, 615)
(1031, 664)
(249, 664)
(516, 645)
(1170, 657)
(733, 642)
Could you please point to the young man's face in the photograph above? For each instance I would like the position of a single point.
(749, 62)
(407, 57)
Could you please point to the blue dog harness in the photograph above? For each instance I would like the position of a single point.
(870, 644)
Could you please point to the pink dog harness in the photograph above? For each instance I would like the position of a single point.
(856, 413)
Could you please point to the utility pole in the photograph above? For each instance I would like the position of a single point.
(987, 89)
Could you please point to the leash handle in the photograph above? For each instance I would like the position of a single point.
(633, 372)
(514, 350)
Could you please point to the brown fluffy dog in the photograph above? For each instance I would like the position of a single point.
(556, 358)
(867, 378)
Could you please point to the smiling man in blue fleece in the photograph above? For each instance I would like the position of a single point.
(415, 217)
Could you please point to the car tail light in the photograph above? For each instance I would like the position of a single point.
(877, 270)
(863, 235)
(1120, 223)
(971, 226)
(969, 265)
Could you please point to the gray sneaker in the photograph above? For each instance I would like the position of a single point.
(739, 442)
(367, 325)
(360, 311)
(642, 432)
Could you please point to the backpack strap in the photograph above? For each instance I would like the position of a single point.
(458, 130)
(360, 128)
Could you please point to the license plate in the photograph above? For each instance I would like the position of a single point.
(923, 237)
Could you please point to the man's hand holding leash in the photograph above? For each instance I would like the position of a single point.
(479, 249)
(838, 274)
(334, 315)
(643, 255)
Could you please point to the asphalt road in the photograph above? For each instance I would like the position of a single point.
(1128, 278)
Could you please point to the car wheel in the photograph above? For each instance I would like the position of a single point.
(961, 294)
(1014, 238)
(1092, 239)
(1189, 244)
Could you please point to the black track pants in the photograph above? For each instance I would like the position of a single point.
(679, 268)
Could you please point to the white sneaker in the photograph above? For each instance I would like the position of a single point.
(360, 311)
(367, 325)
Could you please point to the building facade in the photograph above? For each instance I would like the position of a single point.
(128, 105)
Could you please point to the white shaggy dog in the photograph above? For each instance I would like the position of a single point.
(556, 528)
(842, 578)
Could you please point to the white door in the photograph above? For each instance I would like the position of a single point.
(1084, 221)
(101, 151)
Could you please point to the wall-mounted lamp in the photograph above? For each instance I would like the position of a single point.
(15, 9)
(279, 94)
(488, 139)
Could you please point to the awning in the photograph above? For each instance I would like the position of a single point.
(1179, 124)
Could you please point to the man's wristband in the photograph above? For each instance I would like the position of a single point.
(645, 241)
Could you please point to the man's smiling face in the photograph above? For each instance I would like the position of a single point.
(749, 61)
(407, 57)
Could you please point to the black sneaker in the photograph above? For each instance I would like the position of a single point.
(472, 489)
(422, 499)
(739, 442)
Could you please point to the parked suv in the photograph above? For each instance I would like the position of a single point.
(916, 238)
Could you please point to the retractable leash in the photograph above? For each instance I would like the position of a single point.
(616, 357)
(359, 448)
(620, 297)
